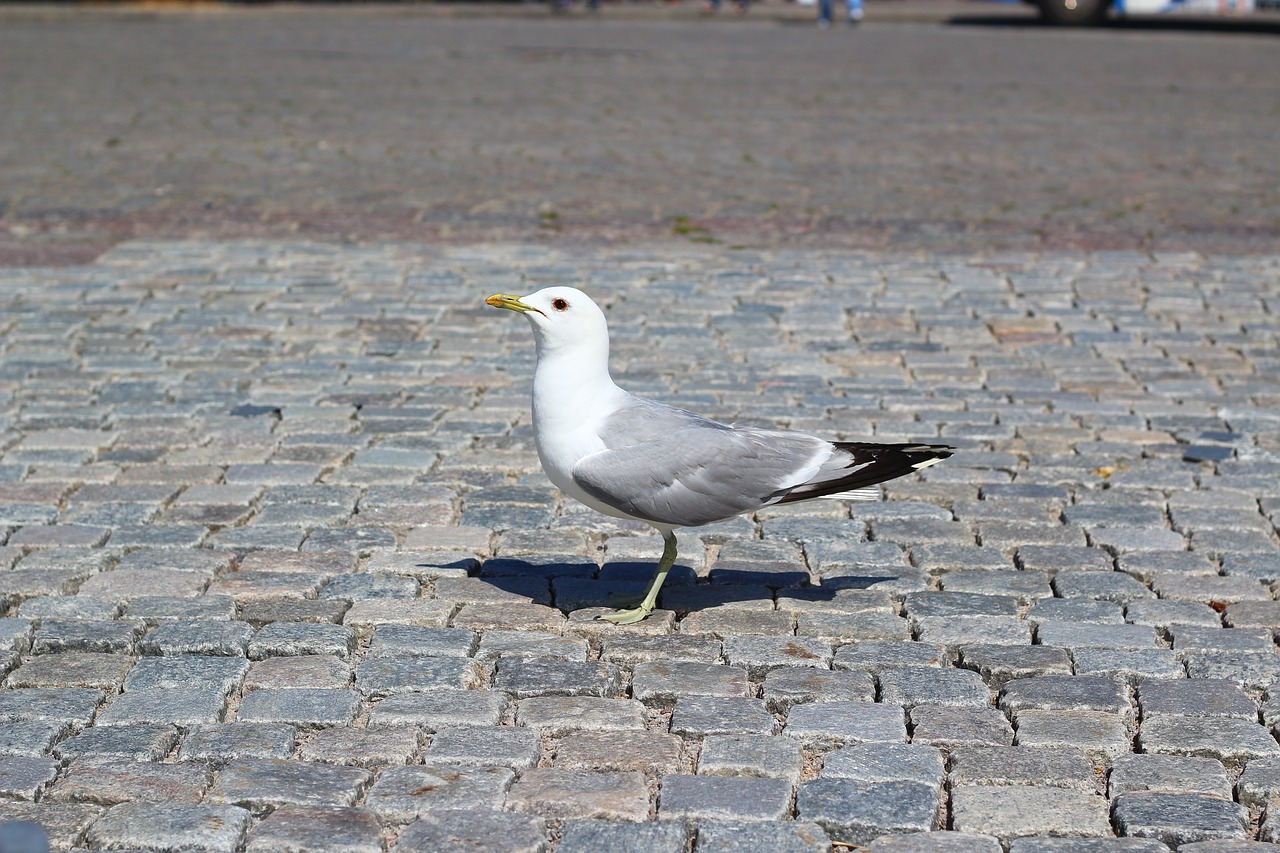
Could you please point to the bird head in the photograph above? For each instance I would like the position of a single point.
(561, 317)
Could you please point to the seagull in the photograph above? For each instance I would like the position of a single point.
(636, 458)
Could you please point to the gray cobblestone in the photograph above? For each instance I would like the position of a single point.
(306, 332)
(855, 812)
(170, 826)
(1179, 818)
(724, 798)
(454, 830)
(402, 794)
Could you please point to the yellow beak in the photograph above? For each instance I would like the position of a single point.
(506, 300)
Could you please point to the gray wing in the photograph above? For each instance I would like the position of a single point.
(674, 467)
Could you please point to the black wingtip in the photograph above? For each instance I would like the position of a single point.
(871, 464)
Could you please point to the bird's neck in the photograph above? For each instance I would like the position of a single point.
(571, 387)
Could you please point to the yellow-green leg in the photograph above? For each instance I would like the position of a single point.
(650, 600)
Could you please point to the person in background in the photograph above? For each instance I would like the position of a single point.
(824, 12)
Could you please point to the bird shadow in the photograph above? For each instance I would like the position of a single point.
(570, 583)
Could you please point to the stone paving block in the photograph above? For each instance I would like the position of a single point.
(86, 635)
(170, 826)
(72, 669)
(875, 656)
(919, 605)
(855, 812)
(1100, 735)
(511, 617)
(658, 683)
(839, 627)
(25, 777)
(1258, 784)
(247, 586)
(300, 638)
(1011, 765)
(936, 842)
(1230, 845)
(63, 823)
(1244, 666)
(183, 707)
(497, 644)
(124, 584)
(299, 671)
(1092, 636)
(32, 738)
(526, 677)
(724, 798)
(1199, 698)
(1133, 667)
(261, 785)
(493, 591)
(198, 637)
(758, 655)
(302, 707)
(846, 722)
(786, 687)
(461, 830)
(646, 752)
(911, 686)
(402, 794)
(1229, 740)
(1112, 586)
(730, 836)
(699, 716)
(955, 632)
(1178, 818)
(155, 609)
(109, 781)
(1168, 773)
(1146, 565)
(1000, 664)
(1191, 638)
(384, 676)
(1065, 693)
(140, 742)
(559, 794)
(1012, 811)
(560, 715)
(75, 706)
(302, 827)
(485, 746)
(592, 835)
(441, 708)
(371, 747)
(634, 649)
(1164, 614)
(1026, 587)
(219, 744)
(424, 565)
(750, 755)
(363, 617)
(886, 762)
(198, 672)
(1028, 844)
(266, 611)
(950, 727)
(722, 622)
(417, 640)
(1225, 589)
(1075, 610)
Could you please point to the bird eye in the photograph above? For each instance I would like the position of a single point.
(559, 304)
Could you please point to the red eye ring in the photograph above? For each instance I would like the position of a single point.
(559, 304)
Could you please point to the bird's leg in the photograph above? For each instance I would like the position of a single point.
(650, 600)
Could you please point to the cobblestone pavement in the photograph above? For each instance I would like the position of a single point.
(281, 572)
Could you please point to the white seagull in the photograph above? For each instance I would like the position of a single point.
(630, 457)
